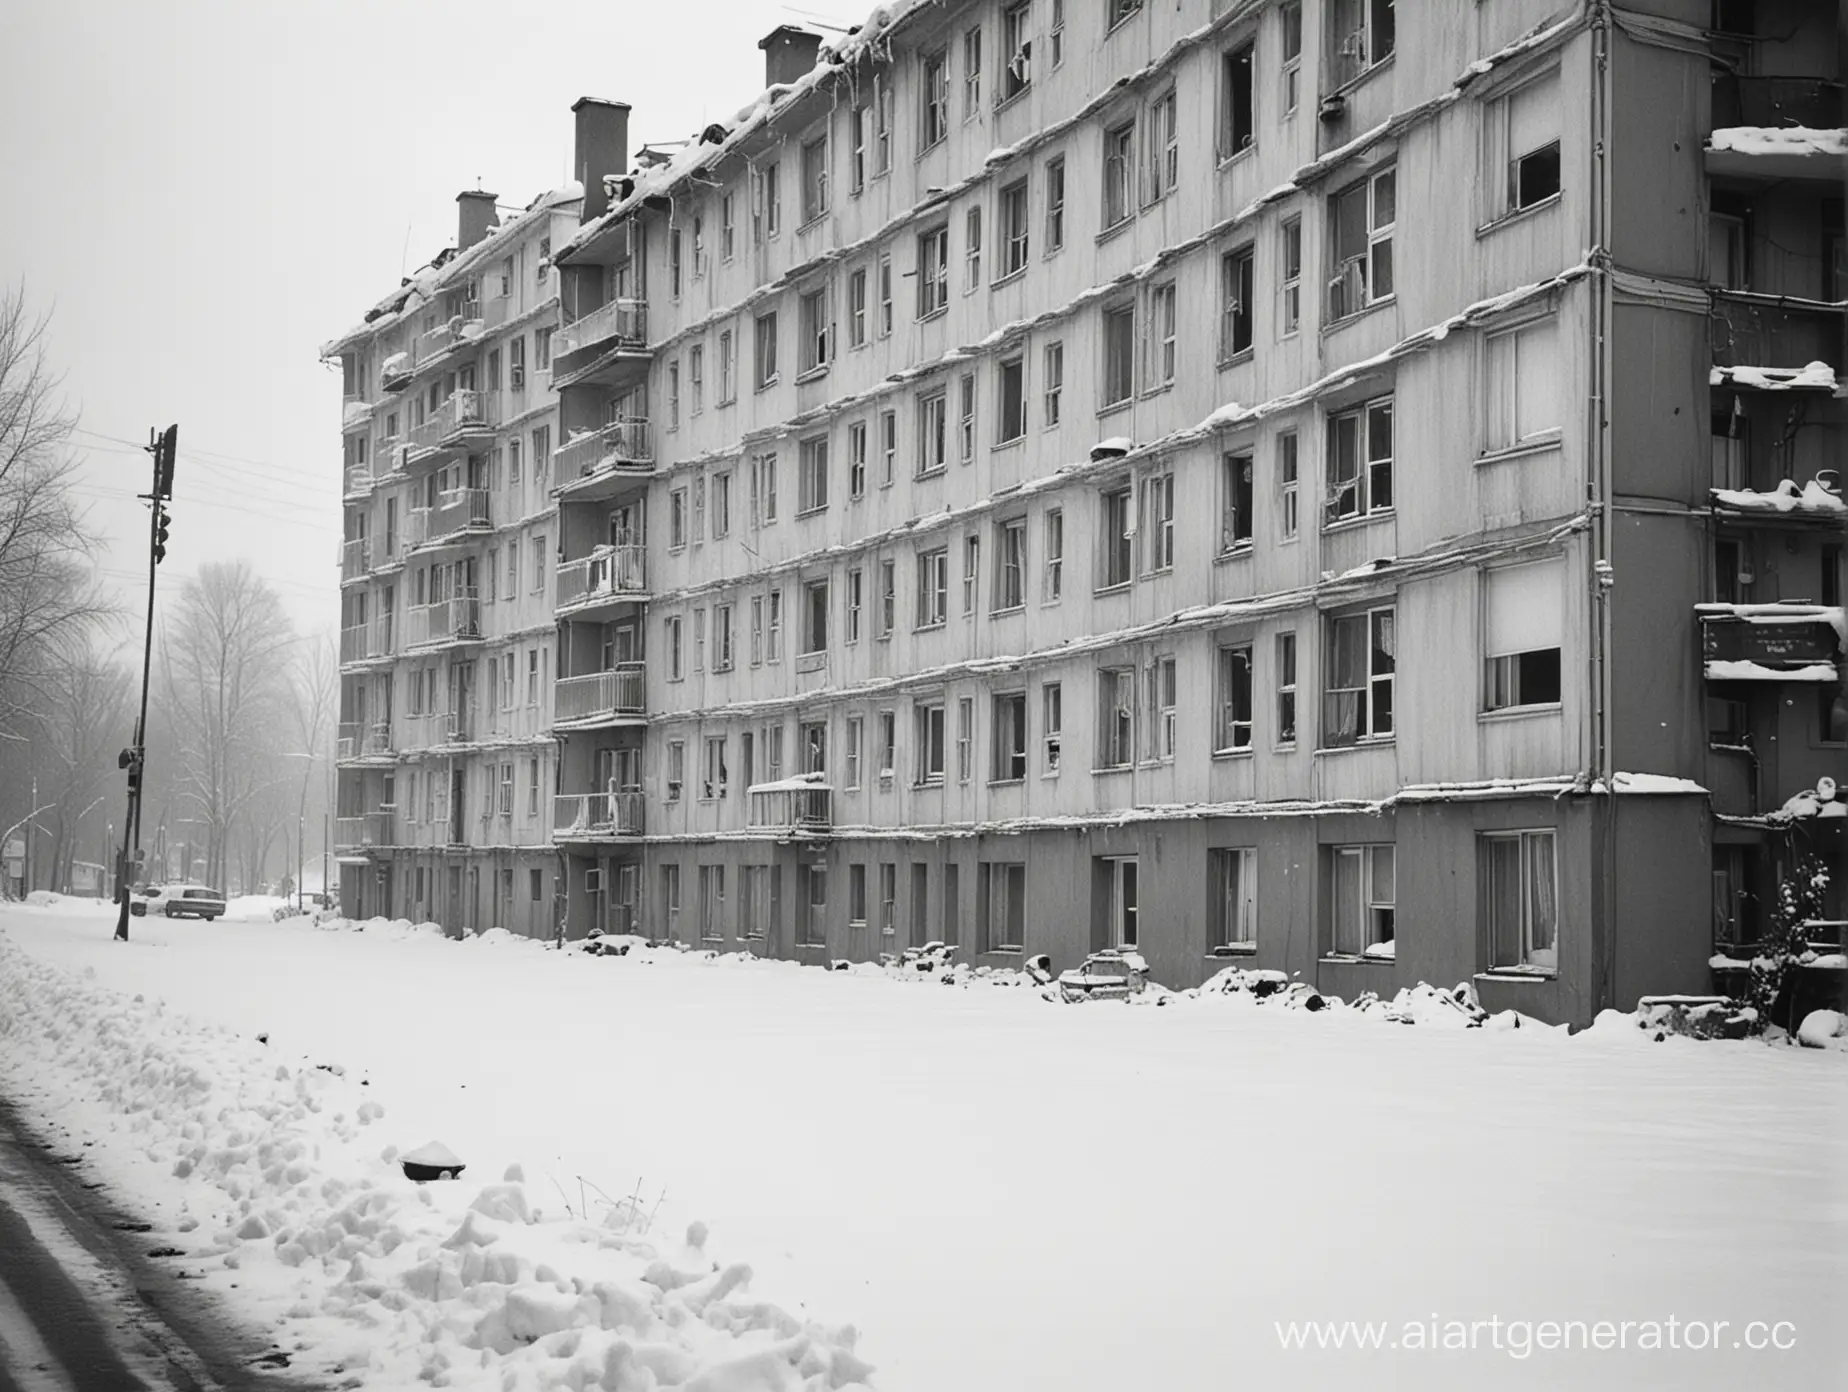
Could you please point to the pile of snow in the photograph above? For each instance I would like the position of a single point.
(1814, 496)
(1824, 1029)
(44, 898)
(1824, 800)
(274, 1181)
(1779, 140)
(1815, 376)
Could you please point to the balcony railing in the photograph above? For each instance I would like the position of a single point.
(396, 370)
(1776, 101)
(456, 726)
(377, 740)
(615, 692)
(1762, 331)
(609, 572)
(361, 642)
(358, 480)
(349, 737)
(362, 832)
(459, 510)
(625, 321)
(598, 814)
(453, 618)
(621, 442)
(355, 558)
(794, 804)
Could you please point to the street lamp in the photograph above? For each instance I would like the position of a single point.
(301, 816)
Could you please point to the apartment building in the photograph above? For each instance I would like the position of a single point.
(1340, 488)
(446, 761)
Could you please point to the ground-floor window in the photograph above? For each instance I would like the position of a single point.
(815, 904)
(1004, 905)
(712, 901)
(1362, 890)
(670, 899)
(1122, 889)
(856, 896)
(757, 899)
(1520, 893)
(535, 884)
(1735, 897)
(1234, 896)
(952, 904)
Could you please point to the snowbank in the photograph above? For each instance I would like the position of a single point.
(1823, 1029)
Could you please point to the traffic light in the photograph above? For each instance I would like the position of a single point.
(130, 759)
(161, 523)
(163, 461)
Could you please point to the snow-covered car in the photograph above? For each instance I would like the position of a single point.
(1106, 975)
(178, 901)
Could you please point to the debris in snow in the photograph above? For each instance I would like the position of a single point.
(432, 1161)
(1823, 1029)
(1779, 140)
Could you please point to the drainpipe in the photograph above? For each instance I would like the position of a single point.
(1603, 761)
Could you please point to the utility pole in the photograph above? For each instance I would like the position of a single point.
(134, 759)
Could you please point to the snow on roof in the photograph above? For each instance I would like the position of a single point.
(1815, 496)
(1816, 376)
(1779, 140)
(801, 783)
(1653, 783)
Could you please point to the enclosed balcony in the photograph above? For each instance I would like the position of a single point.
(1781, 334)
(457, 514)
(1815, 506)
(465, 415)
(601, 816)
(1772, 642)
(608, 576)
(355, 558)
(453, 620)
(1776, 128)
(595, 463)
(397, 370)
(803, 804)
(357, 482)
(367, 642)
(609, 345)
(366, 831)
(600, 698)
(365, 740)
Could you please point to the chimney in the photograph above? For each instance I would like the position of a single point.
(474, 218)
(789, 53)
(602, 149)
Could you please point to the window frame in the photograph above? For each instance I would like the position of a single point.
(1234, 698)
(1375, 679)
(1369, 469)
(1529, 956)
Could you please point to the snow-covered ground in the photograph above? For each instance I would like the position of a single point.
(966, 1187)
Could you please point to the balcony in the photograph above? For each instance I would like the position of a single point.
(362, 740)
(465, 414)
(457, 513)
(597, 816)
(1811, 102)
(1775, 331)
(1770, 642)
(607, 345)
(355, 558)
(458, 726)
(367, 831)
(366, 642)
(396, 371)
(357, 481)
(585, 465)
(1775, 128)
(609, 575)
(453, 620)
(1817, 505)
(803, 804)
(599, 697)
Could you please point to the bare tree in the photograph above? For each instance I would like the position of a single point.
(87, 715)
(312, 704)
(46, 591)
(224, 679)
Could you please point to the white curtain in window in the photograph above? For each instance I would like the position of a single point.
(1533, 116)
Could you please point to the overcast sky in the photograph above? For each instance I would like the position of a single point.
(203, 192)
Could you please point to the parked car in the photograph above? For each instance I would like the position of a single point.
(177, 901)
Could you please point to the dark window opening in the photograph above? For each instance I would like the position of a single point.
(1536, 176)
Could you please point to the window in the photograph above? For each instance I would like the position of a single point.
(933, 587)
(757, 630)
(728, 368)
(1003, 906)
(972, 73)
(1360, 227)
(699, 640)
(539, 564)
(1235, 295)
(882, 125)
(888, 744)
(856, 309)
(1360, 461)
(712, 902)
(1158, 521)
(721, 504)
(673, 263)
(763, 490)
(1055, 382)
(1357, 704)
(1120, 882)
(936, 93)
(1164, 161)
(1287, 515)
(728, 228)
(766, 350)
(1119, 354)
(1287, 688)
(972, 560)
(856, 896)
(677, 519)
(1360, 35)
(1008, 738)
(930, 734)
(1121, 10)
(770, 189)
(696, 376)
(1235, 504)
(814, 317)
(856, 740)
(713, 778)
(856, 460)
(1052, 726)
(856, 595)
(1163, 697)
(506, 790)
(1234, 884)
(933, 271)
(699, 245)
(1117, 535)
(1291, 18)
(673, 394)
(773, 641)
(671, 629)
(722, 648)
(812, 482)
(676, 769)
(856, 149)
(1520, 899)
(814, 880)
(932, 432)
(1058, 32)
(888, 447)
(1232, 729)
(1523, 385)
(541, 261)
(1010, 564)
(516, 363)
(1361, 890)
(972, 249)
(885, 294)
(1015, 213)
(1292, 282)
(1055, 204)
(1522, 633)
(1527, 122)
(814, 178)
(1161, 329)
(815, 616)
(532, 790)
(1017, 49)
(888, 598)
(1119, 173)
(966, 431)
(1116, 717)
(1055, 556)
(532, 676)
(670, 896)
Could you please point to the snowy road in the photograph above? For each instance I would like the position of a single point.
(1004, 1194)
